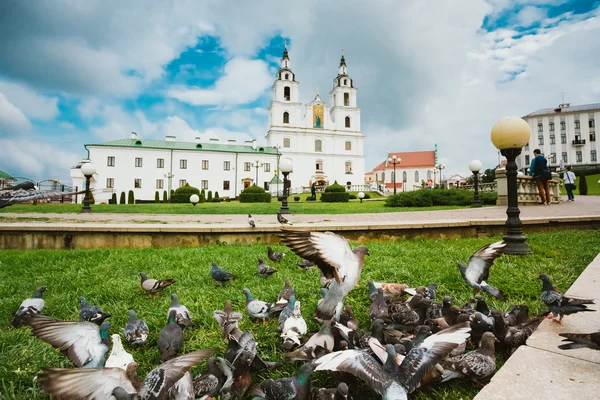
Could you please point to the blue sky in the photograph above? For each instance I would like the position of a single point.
(426, 75)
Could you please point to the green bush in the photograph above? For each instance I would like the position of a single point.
(156, 197)
(165, 197)
(297, 198)
(367, 196)
(310, 198)
(488, 198)
(92, 200)
(216, 199)
(255, 194)
(131, 197)
(122, 199)
(335, 193)
(352, 196)
(113, 199)
(438, 197)
(583, 188)
(209, 198)
(279, 198)
(182, 194)
(227, 200)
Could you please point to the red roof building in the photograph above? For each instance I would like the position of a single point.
(414, 168)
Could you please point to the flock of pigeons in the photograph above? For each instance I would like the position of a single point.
(414, 340)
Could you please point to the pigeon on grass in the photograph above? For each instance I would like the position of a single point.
(182, 314)
(91, 313)
(170, 338)
(154, 286)
(264, 271)
(136, 330)
(273, 255)
(220, 276)
(32, 305)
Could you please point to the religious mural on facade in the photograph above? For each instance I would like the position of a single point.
(318, 116)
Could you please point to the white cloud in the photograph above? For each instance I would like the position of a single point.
(530, 14)
(242, 81)
(33, 105)
(118, 124)
(12, 120)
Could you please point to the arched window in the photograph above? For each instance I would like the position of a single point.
(576, 124)
(348, 146)
(346, 99)
(287, 76)
(592, 123)
(540, 127)
(417, 177)
(563, 126)
(347, 124)
(286, 117)
(383, 176)
(428, 175)
(286, 143)
(404, 176)
(286, 93)
(348, 167)
(345, 81)
(551, 124)
(318, 145)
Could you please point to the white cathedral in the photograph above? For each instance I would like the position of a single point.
(323, 141)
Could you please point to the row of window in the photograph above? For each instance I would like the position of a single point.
(286, 119)
(160, 183)
(563, 126)
(563, 138)
(287, 91)
(160, 163)
(404, 176)
(578, 157)
(287, 143)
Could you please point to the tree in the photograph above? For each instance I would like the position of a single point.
(156, 197)
(216, 199)
(209, 198)
(488, 176)
(113, 199)
(122, 199)
(165, 197)
(583, 189)
(131, 198)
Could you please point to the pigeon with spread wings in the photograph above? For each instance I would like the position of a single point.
(478, 268)
(27, 191)
(334, 257)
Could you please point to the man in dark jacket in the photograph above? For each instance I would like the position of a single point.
(313, 191)
(538, 169)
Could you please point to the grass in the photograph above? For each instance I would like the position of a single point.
(109, 278)
(592, 183)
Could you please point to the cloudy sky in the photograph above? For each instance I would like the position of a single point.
(428, 72)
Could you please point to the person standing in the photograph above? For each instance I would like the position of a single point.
(569, 179)
(541, 176)
(313, 190)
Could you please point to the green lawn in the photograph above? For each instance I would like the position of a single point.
(109, 278)
(592, 184)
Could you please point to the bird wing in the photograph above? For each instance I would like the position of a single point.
(479, 264)
(257, 307)
(10, 197)
(381, 353)
(84, 383)
(205, 384)
(329, 251)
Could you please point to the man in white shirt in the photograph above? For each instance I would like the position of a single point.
(569, 180)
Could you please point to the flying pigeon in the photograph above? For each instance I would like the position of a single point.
(332, 254)
(84, 343)
(477, 270)
(580, 341)
(136, 330)
(170, 338)
(220, 276)
(32, 305)
(90, 313)
(305, 264)
(26, 191)
(182, 316)
(282, 219)
(558, 303)
(273, 255)
(154, 286)
(264, 270)
(478, 365)
(118, 357)
(101, 383)
(294, 388)
(251, 221)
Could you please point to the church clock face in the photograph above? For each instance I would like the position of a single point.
(318, 116)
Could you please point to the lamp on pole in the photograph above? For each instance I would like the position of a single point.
(286, 166)
(440, 167)
(394, 160)
(509, 135)
(169, 175)
(475, 166)
(88, 170)
(257, 165)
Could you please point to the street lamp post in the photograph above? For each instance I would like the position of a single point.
(509, 135)
(257, 165)
(286, 166)
(440, 167)
(88, 170)
(394, 160)
(361, 196)
(475, 166)
(194, 199)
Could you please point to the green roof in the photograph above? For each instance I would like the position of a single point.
(5, 175)
(175, 145)
(275, 180)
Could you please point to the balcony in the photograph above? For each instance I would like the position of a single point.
(578, 142)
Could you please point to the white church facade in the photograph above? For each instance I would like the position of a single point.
(323, 141)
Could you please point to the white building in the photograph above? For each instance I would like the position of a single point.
(414, 168)
(564, 134)
(324, 141)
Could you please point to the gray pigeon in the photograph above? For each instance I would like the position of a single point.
(478, 365)
(90, 313)
(558, 303)
(154, 286)
(264, 270)
(170, 338)
(217, 378)
(294, 388)
(251, 221)
(228, 321)
(136, 330)
(183, 316)
(282, 220)
(338, 393)
(259, 309)
(220, 276)
(273, 255)
(32, 305)
(305, 264)
(26, 191)
(478, 268)
(580, 341)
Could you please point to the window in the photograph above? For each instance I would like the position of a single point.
(540, 140)
(592, 136)
(137, 183)
(205, 185)
(110, 183)
(347, 122)
(348, 167)
(110, 162)
(319, 166)
(318, 145)
(286, 117)
(225, 185)
(564, 157)
(160, 183)
(266, 186)
(267, 167)
(527, 160)
(552, 139)
(563, 138)
(416, 176)
(578, 156)
(247, 166)
(346, 99)
(551, 124)
(345, 81)
(348, 146)
(160, 163)
(182, 164)
(428, 175)
(138, 162)
(592, 123)
(576, 124)
(593, 156)
(204, 164)
(286, 93)
(540, 127)
(226, 165)
(553, 158)
(563, 126)
(383, 176)
(286, 143)
(404, 176)
(287, 76)
(182, 182)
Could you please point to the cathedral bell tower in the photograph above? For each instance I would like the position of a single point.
(284, 108)
(344, 112)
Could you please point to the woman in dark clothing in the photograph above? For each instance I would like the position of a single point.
(538, 165)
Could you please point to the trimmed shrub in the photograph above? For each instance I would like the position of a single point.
(367, 196)
(583, 188)
(297, 198)
(438, 197)
(352, 196)
(131, 197)
(182, 194)
(488, 198)
(227, 200)
(216, 199)
(156, 197)
(310, 198)
(165, 197)
(279, 198)
(92, 200)
(113, 199)
(209, 198)
(335, 193)
(254, 194)
(122, 199)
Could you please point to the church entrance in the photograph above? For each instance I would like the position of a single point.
(247, 182)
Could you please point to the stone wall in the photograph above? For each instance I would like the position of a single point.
(527, 192)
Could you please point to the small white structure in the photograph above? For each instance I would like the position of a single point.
(455, 181)
(414, 169)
